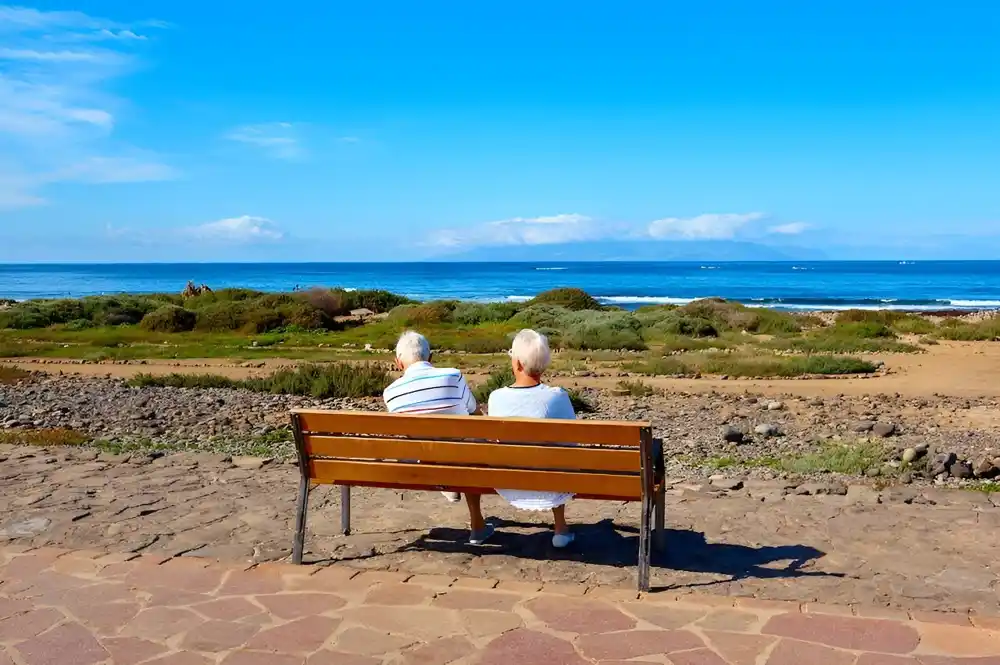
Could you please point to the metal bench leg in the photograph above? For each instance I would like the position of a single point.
(298, 545)
(345, 510)
(660, 537)
(644, 542)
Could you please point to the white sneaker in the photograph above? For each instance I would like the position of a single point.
(453, 497)
(561, 540)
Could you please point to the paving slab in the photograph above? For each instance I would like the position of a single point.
(937, 554)
(262, 616)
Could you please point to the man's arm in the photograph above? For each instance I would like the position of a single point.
(470, 400)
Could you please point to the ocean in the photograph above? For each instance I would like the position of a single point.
(827, 285)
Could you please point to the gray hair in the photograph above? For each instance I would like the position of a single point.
(413, 347)
(531, 349)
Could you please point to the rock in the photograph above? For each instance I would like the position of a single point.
(112, 458)
(775, 406)
(862, 494)
(732, 435)
(922, 448)
(821, 489)
(873, 472)
(906, 477)
(961, 470)
(25, 528)
(937, 469)
(250, 463)
(883, 430)
(863, 427)
(909, 455)
(729, 484)
(766, 430)
(946, 459)
(984, 468)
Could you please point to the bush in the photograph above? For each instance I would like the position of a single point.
(863, 330)
(222, 316)
(636, 388)
(77, 325)
(687, 326)
(376, 300)
(421, 315)
(117, 310)
(591, 331)
(886, 317)
(725, 315)
(650, 315)
(331, 302)
(338, 380)
(539, 317)
(472, 314)
(10, 375)
(573, 299)
(980, 331)
(169, 319)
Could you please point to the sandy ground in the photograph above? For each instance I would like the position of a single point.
(958, 369)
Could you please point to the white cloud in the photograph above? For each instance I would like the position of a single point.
(52, 56)
(703, 227)
(238, 229)
(56, 114)
(792, 229)
(278, 139)
(523, 231)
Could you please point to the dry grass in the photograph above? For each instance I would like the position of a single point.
(44, 437)
(10, 375)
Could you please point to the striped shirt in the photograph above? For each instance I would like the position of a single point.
(424, 388)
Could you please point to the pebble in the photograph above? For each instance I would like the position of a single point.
(775, 406)
(766, 430)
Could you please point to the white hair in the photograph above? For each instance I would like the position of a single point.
(531, 349)
(413, 347)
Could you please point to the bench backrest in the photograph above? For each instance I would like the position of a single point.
(597, 459)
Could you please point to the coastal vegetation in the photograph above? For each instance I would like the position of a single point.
(710, 336)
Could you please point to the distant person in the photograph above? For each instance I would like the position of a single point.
(530, 398)
(424, 388)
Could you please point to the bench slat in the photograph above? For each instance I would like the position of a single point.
(518, 456)
(514, 430)
(431, 477)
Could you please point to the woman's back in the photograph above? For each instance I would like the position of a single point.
(539, 401)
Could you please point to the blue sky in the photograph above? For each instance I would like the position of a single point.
(215, 131)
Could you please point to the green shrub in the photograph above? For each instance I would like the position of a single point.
(169, 319)
(885, 317)
(222, 316)
(666, 366)
(12, 374)
(493, 343)
(589, 330)
(471, 313)
(987, 330)
(117, 310)
(863, 330)
(914, 325)
(636, 388)
(77, 325)
(337, 380)
(650, 315)
(687, 326)
(376, 300)
(424, 314)
(726, 315)
(573, 299)
(539, 317)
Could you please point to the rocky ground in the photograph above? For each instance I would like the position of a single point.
(705, 433)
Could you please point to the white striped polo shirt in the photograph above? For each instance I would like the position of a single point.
(424, 388)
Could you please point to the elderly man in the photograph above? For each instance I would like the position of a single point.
(424, 388)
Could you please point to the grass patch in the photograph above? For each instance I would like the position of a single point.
(636, 388)
(336, 380)
(964, 331)
(9, 375)
(849, 459)
(747, 365)
(44, 437)
(987, 487)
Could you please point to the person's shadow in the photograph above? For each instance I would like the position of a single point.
(607, 544)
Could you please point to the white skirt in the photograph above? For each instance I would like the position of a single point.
(528, 500)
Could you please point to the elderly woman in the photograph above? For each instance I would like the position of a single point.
(530, 398)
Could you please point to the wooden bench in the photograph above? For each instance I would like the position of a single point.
(613, 461)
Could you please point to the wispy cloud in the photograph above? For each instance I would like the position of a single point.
(703, 227)
(277, 139)
(523, 231)
(575, 227)
(791, 229)
(238, 229)
(56, 114)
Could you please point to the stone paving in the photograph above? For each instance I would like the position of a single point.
(907, 548)
(61, 607)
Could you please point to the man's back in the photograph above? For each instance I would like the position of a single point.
(424, 388)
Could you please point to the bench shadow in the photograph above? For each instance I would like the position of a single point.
(605, 544)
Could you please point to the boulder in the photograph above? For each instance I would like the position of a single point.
(883, 430)
(961, 470)
(863, 426)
